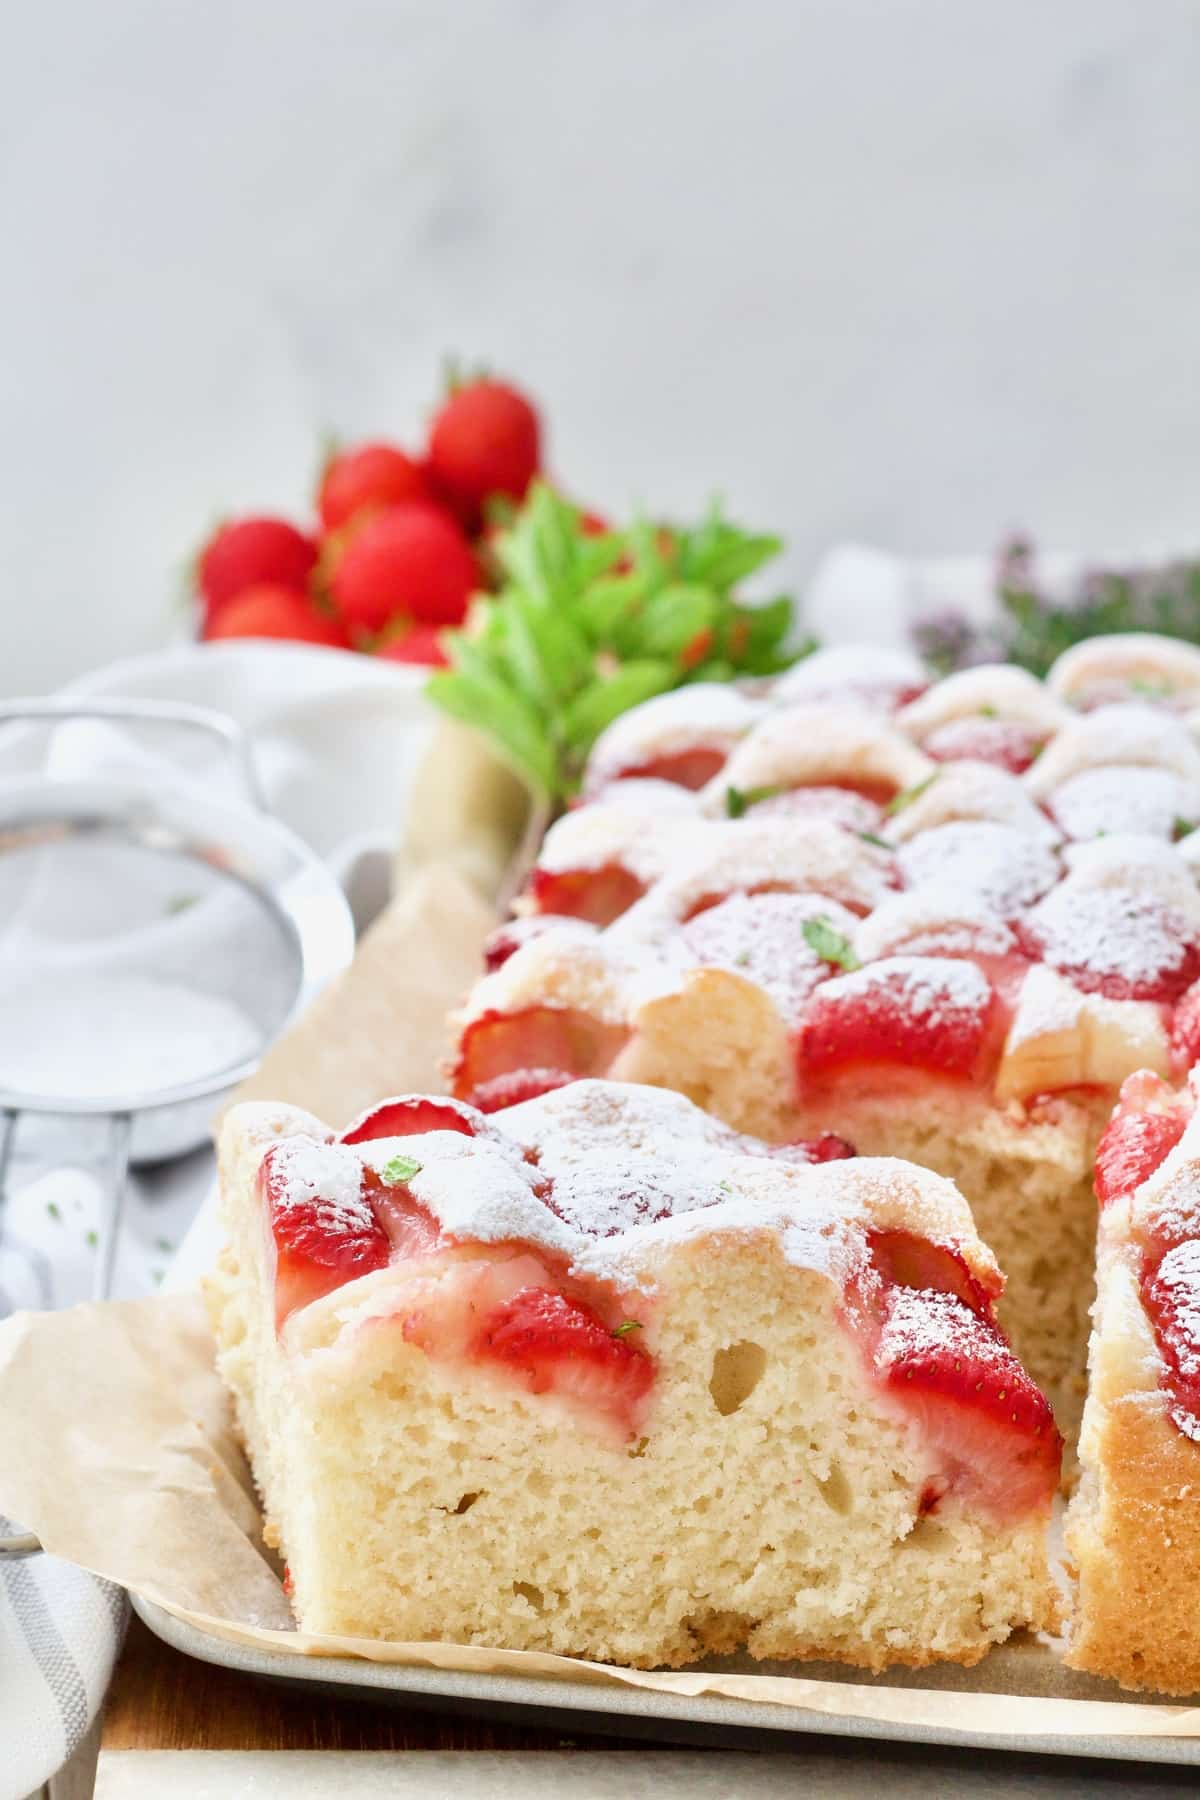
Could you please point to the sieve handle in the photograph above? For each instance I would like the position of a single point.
(149, 712)
(23, 1543)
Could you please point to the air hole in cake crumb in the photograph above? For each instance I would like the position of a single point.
(525, 1590)
(736, 1372)
(927, 1534)
(836, 1491)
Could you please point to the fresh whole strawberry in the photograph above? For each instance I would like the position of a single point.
(420, 644)
(485, 440)
(270, 611)
(410, 560)
(247, 553)
(369, 477)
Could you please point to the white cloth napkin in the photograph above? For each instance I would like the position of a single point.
(336, 739)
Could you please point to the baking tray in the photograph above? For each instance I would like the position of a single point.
(713, 1719)
(1022, 1667)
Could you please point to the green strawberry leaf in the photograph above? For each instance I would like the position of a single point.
(608, 697)
(589, 624)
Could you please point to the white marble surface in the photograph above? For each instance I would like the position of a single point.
(893, 270)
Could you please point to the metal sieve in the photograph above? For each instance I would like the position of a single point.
(154, 940)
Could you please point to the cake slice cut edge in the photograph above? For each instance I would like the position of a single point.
(1133, 1525)
(599, 1376)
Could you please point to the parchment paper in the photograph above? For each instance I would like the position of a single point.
(117, 1449)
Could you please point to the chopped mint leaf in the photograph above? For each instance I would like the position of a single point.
(401, 1169)
(742, 959)
(626, 1326)
(987, 712)
(179, 903)
(1182, 828)
(907, 795)
(164, 1244)
(54, 1209)
(829, 944)
(738, 801)
(1149, 690)
(90, 1239)
(870, 837)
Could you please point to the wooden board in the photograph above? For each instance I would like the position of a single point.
(163, 1700)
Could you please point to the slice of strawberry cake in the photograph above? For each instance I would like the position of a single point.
(946, 923)
(598, 1375)
(1133, 1527)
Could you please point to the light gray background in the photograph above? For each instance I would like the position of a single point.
(911, 271)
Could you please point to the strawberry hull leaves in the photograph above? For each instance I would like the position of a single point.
(589, 623)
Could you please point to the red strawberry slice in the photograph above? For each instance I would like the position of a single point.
(1116, 941)
(1147, 1122)
(1001, 742)
(692, 768)
(933, 1012)
(538, 1038)
(907, 1260)
(990, 1428)
(556, 1345)
(508, 938)
(826, 1148)
(518, 1086)
(408, 1116)
(1132, 1147)
(1171, 1297)
(322, 1219)
(598, 895)
(411, 1228)
(1185, 1031)
(839, 805)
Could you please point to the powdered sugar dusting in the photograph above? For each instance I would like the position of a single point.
(924, 1322)
(1005, 869)
(1124, 798)
(761, 937)
(868, 674)
(939, 920)
(1177, 1290)
(936, 990)
(707, 712)
(324, 1178)
(1113, 938)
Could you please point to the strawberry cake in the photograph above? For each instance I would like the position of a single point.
(944, 920)
(599, 1375)
(1133, 1527)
